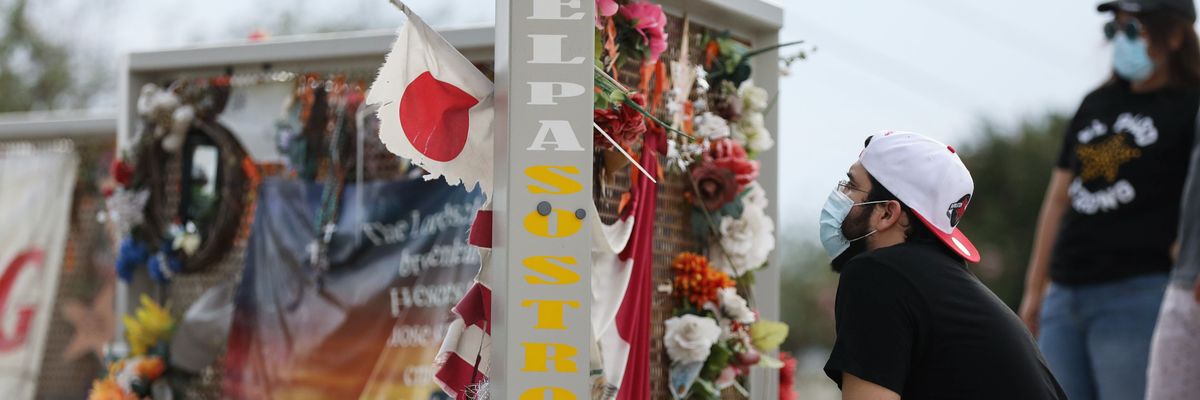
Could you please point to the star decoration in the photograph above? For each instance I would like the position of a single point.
(1103, 159)
(94, 325)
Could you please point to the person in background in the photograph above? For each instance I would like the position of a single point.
(1103, 244)
(1174, 372)
(912, 321)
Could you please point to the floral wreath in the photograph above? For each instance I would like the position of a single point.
(135, 202)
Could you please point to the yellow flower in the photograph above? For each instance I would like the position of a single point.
(768, 335)
(150, 325)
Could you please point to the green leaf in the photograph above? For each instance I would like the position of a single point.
(767, 335)
(708, 389)
(718, 358)
(769, 362)
(747, 278)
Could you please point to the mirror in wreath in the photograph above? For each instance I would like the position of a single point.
(198, 193)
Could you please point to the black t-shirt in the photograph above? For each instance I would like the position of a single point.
(913, 319)
(1128, 154)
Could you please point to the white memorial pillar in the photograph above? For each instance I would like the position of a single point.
(541, 259)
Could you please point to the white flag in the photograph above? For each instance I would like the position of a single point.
(435, 107)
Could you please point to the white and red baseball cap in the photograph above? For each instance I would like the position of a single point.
(928, 177)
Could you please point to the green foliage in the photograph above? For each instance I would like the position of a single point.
(1011, 168)
(35, 73)
(808, 285)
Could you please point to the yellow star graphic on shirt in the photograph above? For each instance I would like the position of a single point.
(1104, 158)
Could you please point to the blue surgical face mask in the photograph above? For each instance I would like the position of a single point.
(833, 214)
(1131, 59)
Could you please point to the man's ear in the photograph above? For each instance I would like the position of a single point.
(889, 215)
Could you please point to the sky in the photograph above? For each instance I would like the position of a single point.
(938, 67)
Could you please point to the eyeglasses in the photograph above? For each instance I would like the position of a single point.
(846, 187)
(1131, 29)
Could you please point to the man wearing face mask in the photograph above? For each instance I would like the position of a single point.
(912, 321)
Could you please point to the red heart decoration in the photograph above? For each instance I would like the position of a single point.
(435, 117)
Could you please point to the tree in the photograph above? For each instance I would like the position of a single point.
(35, 74)
(1011, 168)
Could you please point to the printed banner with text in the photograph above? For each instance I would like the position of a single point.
(370, 326)
(37, 182)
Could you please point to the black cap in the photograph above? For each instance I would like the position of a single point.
(1186, 7)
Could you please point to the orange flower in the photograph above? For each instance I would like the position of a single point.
(695, 281)
(108, 390)
(151, 368)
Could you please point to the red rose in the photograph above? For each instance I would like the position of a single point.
(726, 153)
(121, 172)
(718, 186)
(625, 124)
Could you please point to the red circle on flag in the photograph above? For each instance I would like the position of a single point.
(435, 116)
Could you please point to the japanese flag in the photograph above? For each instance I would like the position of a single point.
(435, 107)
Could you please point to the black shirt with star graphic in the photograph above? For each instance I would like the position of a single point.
(1128, 154)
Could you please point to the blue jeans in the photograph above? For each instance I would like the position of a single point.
(1096, 338)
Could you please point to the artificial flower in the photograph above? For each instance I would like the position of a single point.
(107, 389)
(711, 126)
(124, 209)
(695, 281)
(787, 377)
(717, 186)
(755, 197)
(726, 153)
(727, 378)
(751, 132)
(121, 172)
(753, 97)
(768, 335)
(735, 307)
(649, 21)
(149, 326)
(725, 101)
(625, 124)
(606, 8)
(187, 242)
(163, 266)
(745, 244)
(130, 255)
(151, 368)
(688, 338)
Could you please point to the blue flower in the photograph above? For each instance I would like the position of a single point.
(157, 271)
(131, 254)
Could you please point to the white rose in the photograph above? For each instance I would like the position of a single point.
(751, 132)
(689, 338)
(734, 306)
(712, 126)
(756, 198)
(745, 242)
(754, 98)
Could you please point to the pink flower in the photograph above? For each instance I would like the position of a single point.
(650, 22)
(605, 8)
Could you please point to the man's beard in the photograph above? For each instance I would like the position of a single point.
(854, 227)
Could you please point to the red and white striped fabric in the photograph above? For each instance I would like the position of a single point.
(465, 357)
